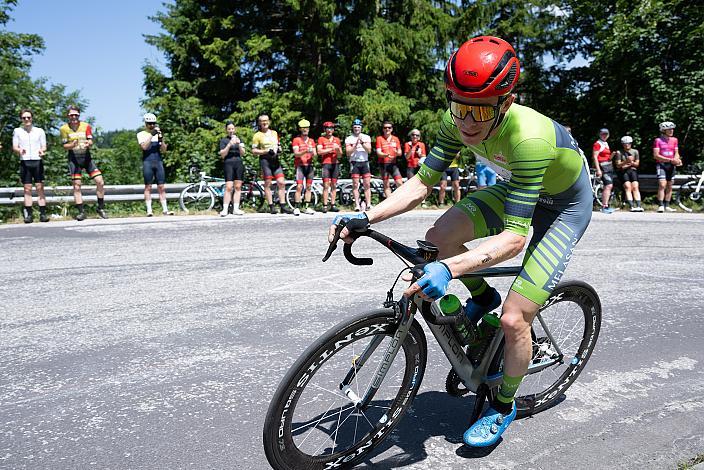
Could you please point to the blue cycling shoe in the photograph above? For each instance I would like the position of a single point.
(475, 312)
(488, 429)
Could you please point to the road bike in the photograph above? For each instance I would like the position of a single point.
(350, 388)
(692, 192)
(615, 199)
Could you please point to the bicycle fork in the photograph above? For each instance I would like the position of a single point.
(399, 337)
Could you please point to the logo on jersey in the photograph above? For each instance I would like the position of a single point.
(500, 158)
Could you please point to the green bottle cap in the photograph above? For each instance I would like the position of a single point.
(450, 304)
(491, 319)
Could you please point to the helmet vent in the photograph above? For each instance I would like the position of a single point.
(508, 80)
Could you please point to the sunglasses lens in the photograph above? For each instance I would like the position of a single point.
(479, 113)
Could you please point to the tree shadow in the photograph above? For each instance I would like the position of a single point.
(433, 413)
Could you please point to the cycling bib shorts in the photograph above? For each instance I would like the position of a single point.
(31, 170)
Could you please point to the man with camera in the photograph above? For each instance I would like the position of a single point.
(153, 147)
(265, 144)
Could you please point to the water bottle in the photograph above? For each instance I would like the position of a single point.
(466, 331)
(485, 332)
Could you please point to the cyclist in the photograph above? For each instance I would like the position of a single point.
(413, 151)
(304, 153)
(329, 149)
(358, 146)
(29, 142)
(601, 154)
(77, 139)
(453, 173)
(667, 157)
(546, 185)
(265, 144)
(151, 140)
(388, 149)
(627, 162)
(232, 151)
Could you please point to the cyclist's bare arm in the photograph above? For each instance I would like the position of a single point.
(596, 163)
(494, 250)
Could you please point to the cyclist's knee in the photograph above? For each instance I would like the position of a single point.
(513, 323)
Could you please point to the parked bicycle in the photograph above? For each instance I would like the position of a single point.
(616, 197)
(692, 192)
(351, 387)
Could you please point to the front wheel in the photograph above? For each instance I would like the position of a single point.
(563, 335)
(196, 197)
(687, 196)
(312, 422)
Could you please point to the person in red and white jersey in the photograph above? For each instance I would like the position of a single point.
(601, 154)
(388, 149)
(413, 151)
(330, 150)
(303, 153)
(667, 157)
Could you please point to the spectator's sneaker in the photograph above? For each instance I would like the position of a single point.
(296, 211)
(28, 219)
(273, 210)
(169, 212)
(310, 211)
(237, 212)
(285, 210)
(334, 208)
(424, 205)
(474, 311)
(81, 216)
(43, 218)
(150, 214)
(661, 208)
(325, 209)
(670, 209)
(640, 209)
(357, 209)
(102, 214)
(363, 206)
(607, 210)
(488, 429)
(634, 209)
(223, 213)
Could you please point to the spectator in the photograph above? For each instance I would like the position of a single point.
(486, 176)
(667, 157)
(77, 139)
(265, 144)
(601, 155)
(232, 151)
(388, 149)
(627, 162)
(358, 146)
(304, 153)
(329, 149)
(413, 151)
(29, 143)
(151, 140)
(452, 172)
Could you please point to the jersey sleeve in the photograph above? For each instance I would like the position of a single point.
(531, 159)
(295, 144)
(223, 143)
(379, 145)
(443, 152)
(15, 138)
(406, 147)
(256, 139)
(144, 136)
(63, 133)
(42, 138)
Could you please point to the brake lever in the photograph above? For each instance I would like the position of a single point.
(333, 244)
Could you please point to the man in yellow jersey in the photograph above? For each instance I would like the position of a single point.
(77, 139)
(265, 144)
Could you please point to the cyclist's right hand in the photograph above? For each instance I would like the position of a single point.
(354, 222)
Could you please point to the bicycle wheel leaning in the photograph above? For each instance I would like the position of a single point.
(311, 423)
(196, 197)
(252, 196)
(564, 336)
(687, 196)
(291, 196)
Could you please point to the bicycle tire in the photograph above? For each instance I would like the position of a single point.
(252, 196)
(291, 196)
(345, 194)
(196, 197)
(686, 193)
(585, 298)
(280, 435)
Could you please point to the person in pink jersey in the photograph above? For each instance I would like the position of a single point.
(667, 158)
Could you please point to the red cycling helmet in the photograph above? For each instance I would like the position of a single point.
(482, 67)
(328, 124)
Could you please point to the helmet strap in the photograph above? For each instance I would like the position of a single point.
(499, 117)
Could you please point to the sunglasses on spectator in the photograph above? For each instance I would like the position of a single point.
(388, 127)
(73, 115)
(27, 118)
(415, 135)
(480, 113)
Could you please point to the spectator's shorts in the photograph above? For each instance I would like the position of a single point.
(271, 169)
(78, 163)
(330, 172)
(452, 173)
(665, 171)
(153, 172)
(358, 169)
(607, 173)
(31, 170)
(411, 171)
(306, 172)
(628, 176)
(390, 170)
(234, 169)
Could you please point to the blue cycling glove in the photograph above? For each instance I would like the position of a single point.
(435, 280)
(355, 222)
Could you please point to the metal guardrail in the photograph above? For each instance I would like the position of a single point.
(135, 192)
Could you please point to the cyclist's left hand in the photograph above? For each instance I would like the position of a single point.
(356, 222)
(434, 282)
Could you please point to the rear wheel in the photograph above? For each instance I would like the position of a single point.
(688, 197)
(312, 422)
(197, 197)
(563, 336)
(251, 197)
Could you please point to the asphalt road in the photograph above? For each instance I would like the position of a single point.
(158, 343)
